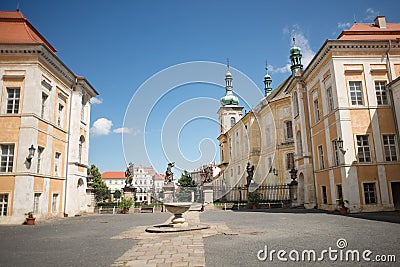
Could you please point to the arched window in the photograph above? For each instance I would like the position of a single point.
(295, 104)
(299, 144)
(233, 121)
(81, 143)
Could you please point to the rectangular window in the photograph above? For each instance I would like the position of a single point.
(380, 90)
(238, 170)
(231, 172)
(324, 195)
(339, 191)
(289, 130)
(13, 97)
(390, 147)
(57, 160)
(335, 152)
(54, 203)
(36, 202)
(7, 158)
(60, 115)
(331, 104)
(289, 161)
(3, 204)
(369, 193)
(356, 93)
(316, 111)
(39, 159)
(364, 153)
(321, 157)
(43, 109)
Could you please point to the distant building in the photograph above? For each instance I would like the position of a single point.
(114, 180)
(44, 122)
(158, 182)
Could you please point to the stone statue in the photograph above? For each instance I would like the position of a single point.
(129, 175)
(250, 173)
(169, 175)
(208, 174)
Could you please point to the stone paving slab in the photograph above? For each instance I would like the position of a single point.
(168, 249)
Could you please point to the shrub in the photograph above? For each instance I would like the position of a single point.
(125, 204)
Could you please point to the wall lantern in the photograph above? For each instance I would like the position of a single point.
(31, 154)
(339, 143)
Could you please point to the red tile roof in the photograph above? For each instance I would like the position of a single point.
(113, 175)
(371, 32)
(16, 29)
(159, 176)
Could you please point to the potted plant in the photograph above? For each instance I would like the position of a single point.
(125, 204)
(342, 206)
(254, 199)
(30, 220)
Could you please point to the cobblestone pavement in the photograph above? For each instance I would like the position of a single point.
(168, 249)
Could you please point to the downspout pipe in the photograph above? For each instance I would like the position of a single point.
(68, 145)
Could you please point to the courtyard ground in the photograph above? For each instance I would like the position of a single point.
(234, 239)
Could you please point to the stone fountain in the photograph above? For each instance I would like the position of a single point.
(178, 222)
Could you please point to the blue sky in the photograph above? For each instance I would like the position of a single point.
(118, 45)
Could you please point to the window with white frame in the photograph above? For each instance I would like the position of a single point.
(295, 104)
(321, 157)
(363, 150)
(231, 172)
(316, 111)
(3, 204)
(335, 153)
(43, 106)
(230, 148)
(54, 203)
(39, 159)
(57, 163)
(7, 158)
(36, 202)
(237, 144)
(238, 170)
(380, 91)
(13, 98)
(331, 105)
(299, 144)
(389, 144)
(356, 93)
(288, 130)
(369, 193)
(60, 115)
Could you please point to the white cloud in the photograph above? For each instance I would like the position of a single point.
(371, 15)
(126, 130)
(344, 25)
(303, 43)
(95, 100)
(101, 126)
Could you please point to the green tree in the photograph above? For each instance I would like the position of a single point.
(117, 194)
(187, 185)
(186, 180)
(101, 191)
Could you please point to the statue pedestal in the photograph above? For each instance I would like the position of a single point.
(208, 194)
(252, 187)
(129, 192)
(168, 193)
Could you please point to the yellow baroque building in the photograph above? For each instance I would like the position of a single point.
(334, 122)
(44, 122)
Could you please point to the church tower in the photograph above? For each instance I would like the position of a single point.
(267, 82)
(230, 112)
(295, 59)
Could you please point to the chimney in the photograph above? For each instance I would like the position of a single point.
(380, 21)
